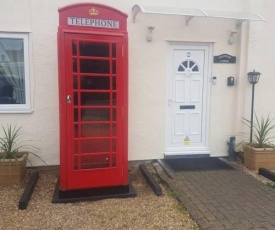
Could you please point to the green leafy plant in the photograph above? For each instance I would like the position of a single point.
(10, 145)
(261, 130)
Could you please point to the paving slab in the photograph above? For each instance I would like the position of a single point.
(223, 199)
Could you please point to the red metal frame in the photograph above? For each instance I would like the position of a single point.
(70, 177)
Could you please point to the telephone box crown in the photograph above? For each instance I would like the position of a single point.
(93, 12)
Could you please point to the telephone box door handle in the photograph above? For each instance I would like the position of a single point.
(69, 99)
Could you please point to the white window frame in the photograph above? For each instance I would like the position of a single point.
(20, 108)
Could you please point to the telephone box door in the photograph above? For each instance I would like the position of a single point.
(94, 110)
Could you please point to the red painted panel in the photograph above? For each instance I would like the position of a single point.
(93, 72)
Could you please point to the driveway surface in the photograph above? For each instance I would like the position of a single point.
(222, 199)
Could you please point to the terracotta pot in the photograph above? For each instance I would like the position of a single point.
(13, 171)
(255, 158)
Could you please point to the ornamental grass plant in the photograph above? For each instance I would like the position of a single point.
(261, 131)
(11, 147)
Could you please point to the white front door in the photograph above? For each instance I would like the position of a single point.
(188, 72)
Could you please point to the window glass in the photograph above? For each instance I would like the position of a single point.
(188, 66)
(95, 83)
(93, 49)
(14, 74)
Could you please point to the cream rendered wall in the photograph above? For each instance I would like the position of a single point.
(147, 72)
(15, 19)
(261, 55)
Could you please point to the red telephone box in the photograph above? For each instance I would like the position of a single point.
(93, 86)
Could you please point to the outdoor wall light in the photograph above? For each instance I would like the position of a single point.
(253, 78)
(232, 39)
(149, 36)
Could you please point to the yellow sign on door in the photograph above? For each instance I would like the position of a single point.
(186, 141)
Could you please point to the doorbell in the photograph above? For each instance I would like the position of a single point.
(230, 81)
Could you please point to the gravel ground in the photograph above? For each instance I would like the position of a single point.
(146, 211)
(253, 173)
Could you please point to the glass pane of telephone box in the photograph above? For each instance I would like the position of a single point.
(95, 161)
(95, 130)
(95, 83)
(95, 146)
(97, 99)
(94, 66)
(95, 114)
(94, 49)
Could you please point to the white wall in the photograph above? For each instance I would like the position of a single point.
(261, 58)
(147, 70)
(261, 53)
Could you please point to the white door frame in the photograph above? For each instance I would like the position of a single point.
(188, 150)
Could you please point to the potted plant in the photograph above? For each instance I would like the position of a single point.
(13, 155)
(261, 152)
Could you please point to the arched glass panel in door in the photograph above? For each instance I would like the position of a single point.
(188, 66)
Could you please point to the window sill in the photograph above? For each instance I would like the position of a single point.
(15, 110)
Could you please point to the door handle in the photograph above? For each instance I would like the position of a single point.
(69, 99)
